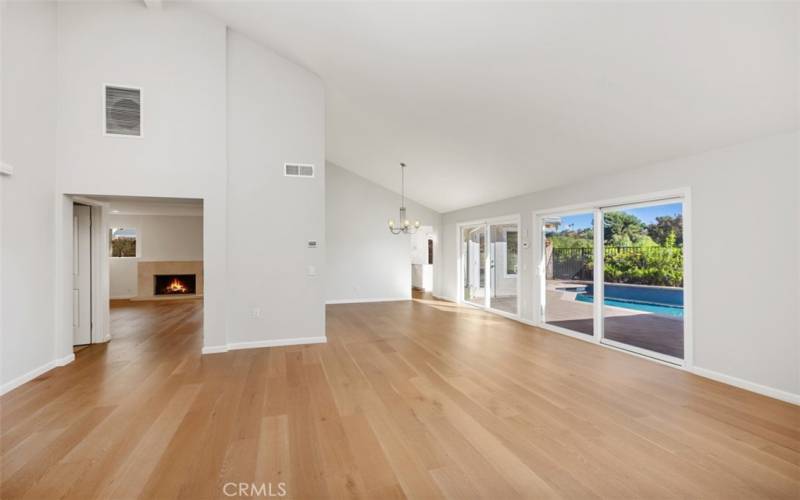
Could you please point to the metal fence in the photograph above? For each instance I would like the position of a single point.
(576, 263)
(570, 264)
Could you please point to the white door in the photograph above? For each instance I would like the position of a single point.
(81, 275)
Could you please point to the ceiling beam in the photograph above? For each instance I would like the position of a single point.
(153, 4)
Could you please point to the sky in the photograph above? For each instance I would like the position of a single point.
(119, 232)
(647, 214)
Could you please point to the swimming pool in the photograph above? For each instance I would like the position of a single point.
(664, 310)
(666, 301)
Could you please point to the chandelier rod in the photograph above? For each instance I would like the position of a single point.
(403, 185)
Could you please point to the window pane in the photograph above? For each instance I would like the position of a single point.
(511, 252)
(474, 263)
(503, 270)
(123, 242)
(569, 251)
(643, 277)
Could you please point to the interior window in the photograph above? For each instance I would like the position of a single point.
(123, 242)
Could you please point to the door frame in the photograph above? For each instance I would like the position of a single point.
(487, 223)
(596, 207)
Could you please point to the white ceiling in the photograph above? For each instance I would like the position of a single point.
(489, 100)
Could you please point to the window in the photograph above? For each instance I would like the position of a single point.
(123, 242)
(511, 252)
(430, 251)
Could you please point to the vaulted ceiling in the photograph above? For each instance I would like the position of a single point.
(489, 100)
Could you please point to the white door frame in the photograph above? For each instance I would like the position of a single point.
(681, 194)
(487, 223)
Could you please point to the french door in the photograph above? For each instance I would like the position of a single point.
(616, 274)
(489, 271)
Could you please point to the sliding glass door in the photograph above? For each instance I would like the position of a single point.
(643, 278)
(622, 284)
(490, 265)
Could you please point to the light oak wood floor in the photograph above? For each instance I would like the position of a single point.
(417, 399)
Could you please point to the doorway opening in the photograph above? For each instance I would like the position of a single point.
(422, 256)
(131, 255)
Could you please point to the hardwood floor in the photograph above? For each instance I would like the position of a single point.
(415, 399)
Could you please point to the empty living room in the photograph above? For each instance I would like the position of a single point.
(373, 250)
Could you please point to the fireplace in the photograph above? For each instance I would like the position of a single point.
(175, 284)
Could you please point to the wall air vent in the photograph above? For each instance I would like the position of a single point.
(123, 111)
(298, 170)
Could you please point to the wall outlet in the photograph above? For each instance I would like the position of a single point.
(256, 312)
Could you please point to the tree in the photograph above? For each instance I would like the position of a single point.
(623, 230)
(665, 226)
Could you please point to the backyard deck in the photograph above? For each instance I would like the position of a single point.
(662, 334)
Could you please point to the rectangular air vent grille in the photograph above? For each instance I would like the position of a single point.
(123, 111)
(298, 170)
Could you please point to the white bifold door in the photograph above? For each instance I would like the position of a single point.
(81, 274)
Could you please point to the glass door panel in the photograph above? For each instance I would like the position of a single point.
(503, 267)
(643, 278)
(568, 271)
(474, 264)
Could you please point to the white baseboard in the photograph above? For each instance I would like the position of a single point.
(276, 343)
(234, 346)
(69, 358)
(214, 349)
(27, 377)
(747, 385)
(446, 299)
(365, 301)
(122, 297)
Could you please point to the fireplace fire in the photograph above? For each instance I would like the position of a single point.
(175, 284)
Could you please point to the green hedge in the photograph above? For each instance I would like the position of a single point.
(658, 266)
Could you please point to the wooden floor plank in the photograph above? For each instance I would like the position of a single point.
(415, 399)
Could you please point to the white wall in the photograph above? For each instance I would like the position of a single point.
(158, 238)
(744, 210)
(27, 210)
(276, 114)
(178, 57)
(366, 261)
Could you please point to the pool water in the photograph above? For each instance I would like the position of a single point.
(662, 309)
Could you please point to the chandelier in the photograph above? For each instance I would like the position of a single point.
(405, 224)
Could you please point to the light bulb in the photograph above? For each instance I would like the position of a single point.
(406, 223)
(416, 223)
(391, 223)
